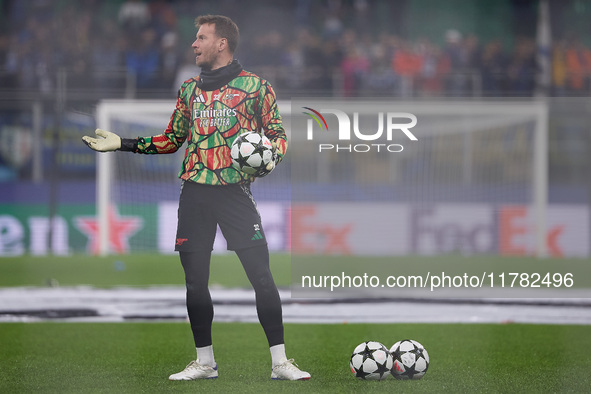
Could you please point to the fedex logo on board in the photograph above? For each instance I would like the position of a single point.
(508, 230)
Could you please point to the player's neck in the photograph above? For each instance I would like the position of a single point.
(222, 61)
(216, 78)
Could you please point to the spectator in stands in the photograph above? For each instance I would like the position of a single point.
(294, 65)
(8, 66)
(134, 16)
(435, 66)
(493, 64)
(381, 79)
(578, 63)
(407, 65)
(42, 37)
(316, 77)
(333, 56)
(472, 53)
(163, 17)
(521, 69)
(170, 59)
(108, 47)
(454, 50)
(354, 68)
(559, 68)
(142, 59)
(267, 50)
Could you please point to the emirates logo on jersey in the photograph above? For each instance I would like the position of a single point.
(214, 117)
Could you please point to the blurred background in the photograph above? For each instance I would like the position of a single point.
(59, 58)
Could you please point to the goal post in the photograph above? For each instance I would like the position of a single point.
(107, 111)
(541, 174)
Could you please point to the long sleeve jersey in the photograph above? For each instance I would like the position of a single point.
(211, 120)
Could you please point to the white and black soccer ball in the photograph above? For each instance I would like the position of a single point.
(371, 361)
(251, 152)
(411, 360)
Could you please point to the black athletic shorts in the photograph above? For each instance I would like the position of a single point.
(203, 207)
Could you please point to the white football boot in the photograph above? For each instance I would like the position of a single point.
(288, 370)
(195, 371)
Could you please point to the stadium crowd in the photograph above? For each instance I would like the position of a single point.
(143, 47)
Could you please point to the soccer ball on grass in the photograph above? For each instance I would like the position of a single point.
(411, 360)
(371, 361)
(251, 152)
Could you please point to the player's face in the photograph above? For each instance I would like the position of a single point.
(207, 47)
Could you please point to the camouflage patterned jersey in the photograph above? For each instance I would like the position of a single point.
(211, 120)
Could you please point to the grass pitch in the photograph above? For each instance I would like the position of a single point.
(138, 357)
(127, 270)
(226, 270)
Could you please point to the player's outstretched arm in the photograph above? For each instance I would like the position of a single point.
(108, 143)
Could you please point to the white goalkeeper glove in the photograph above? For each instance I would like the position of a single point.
(108, 143)
(271, 166)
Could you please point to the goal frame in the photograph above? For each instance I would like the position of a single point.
(535, 108)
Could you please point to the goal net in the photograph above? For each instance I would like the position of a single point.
(389, 178)
(473, 182)
(403, 178)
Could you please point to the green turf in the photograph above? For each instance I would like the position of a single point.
(127, 270)
(155, 269)
(449, 264)
(138, 357)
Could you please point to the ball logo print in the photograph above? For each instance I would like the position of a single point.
(371, 361)
(411, 360)
(251, 152)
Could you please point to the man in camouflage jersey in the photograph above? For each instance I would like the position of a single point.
(212, 109)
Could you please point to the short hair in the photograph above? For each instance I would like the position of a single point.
(224, 28)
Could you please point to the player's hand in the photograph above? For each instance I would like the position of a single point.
(271, 166)
(108, 143)
(267, 170)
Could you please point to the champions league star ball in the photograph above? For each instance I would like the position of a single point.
(251, 152)
(371, 361)
(411, 360)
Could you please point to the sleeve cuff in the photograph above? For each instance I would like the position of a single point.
(129, 145)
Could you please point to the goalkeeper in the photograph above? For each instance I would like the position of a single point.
(211, 111)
